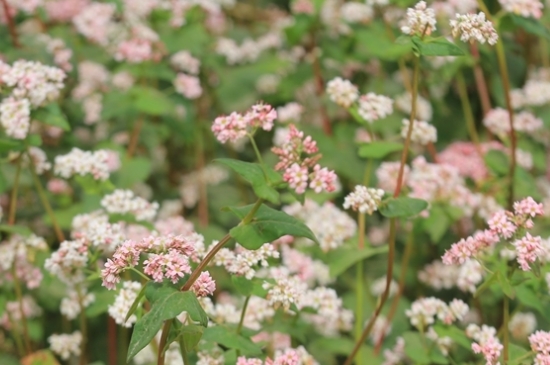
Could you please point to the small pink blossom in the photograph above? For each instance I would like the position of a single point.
(528, 206)
(188, 86)
(528, 249)
(296, 176)
(204, 285)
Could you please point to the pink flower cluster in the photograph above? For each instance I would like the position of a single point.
(487, 342)
(297, 170)
(540, 343)
(204, 285)
(235, 126)
(503, 225)
(289, 356)
(168, 258)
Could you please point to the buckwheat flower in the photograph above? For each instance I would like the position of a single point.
(396, 355)
(286, 290)
(364, 200)
(66, 345)
(387, 173)
(125, 202)
(469, 247)
(497, 121)
(342, 92)
(71, 306)
(378, 287)
(424, 311)
(422, 133)
(528, 249)
(204, 285)
(522, 325)
(261, 116)
(525, 8)
(79, 162)
(528, 206)
(524, 159)
(356, 12)
(438, 275)
(322, 179)
(373, 107)
(297, 177)
(183, 61)
(95, 21)
(474, 27)
(123, 80)
(470, 274)
(290, 112)
(540, 342)
(527, 122)
(123, 302)
(419, 20)
(423, 107)
(69, 261)
(15, 116)
(487, 342)
(536, 92)
(188, 86)
(249, 361)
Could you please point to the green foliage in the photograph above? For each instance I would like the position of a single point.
(226, 337)
(379, 149)
(429, 46)
(267, 225)
(345, 257)
(402, 207)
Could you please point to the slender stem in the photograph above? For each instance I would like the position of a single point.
(198, 270)
(16, 336)
(432, 151)
(83, 327)
(467, 109)
(383, 298)
(481, 84)
(203, 196)
(503, 68)
(256, 150)
(45, 202)
(13, 198)
(360, 285)
(162, 343)
(402, 276)
(19, 296)
(112, 341)
(411, 126)
(134, 138)
(505, 337)
(11, 24)
(243, 313)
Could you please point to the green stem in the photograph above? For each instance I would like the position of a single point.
(505, 337)
(44, 199)
(162, 343)
(411, 126)
(243, 313)
(256, 150)
(140, 273)
(467, 109)
(13, 198)
(19, 296)
(83, 327)
(402, 276)
(383, 298)
(16, 336)
(198, 270)
(359, 285)
(503, 68)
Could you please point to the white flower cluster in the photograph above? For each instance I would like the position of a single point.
(535, 92)
(286, 290)
(71, 306)
(422, 133)
(66, 345)
(190, 187)
(373, 107)
(125, 202)
(525, 8)
(242, 261)
(521, 325)
(97, 231)
(33, 81)
(330, 236)
(498, 122)
(331, 316)
(342, 92)
(79, 162)
(423, 312)
(423, 107)
(420, 20)
(440, 276)
(123, 302)
(353, 12)
(474, 27)
(364, 200)
(290, 112)
(249, 50)
(15, 117)
(68, 262)
(183, 61)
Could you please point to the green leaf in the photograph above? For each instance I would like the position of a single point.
(166, 303)
(8, 145)
(528, 297)
(530, 25)
(505, 285)
(52, 115)
(436, 47)
(20, 230)
(455, 333)
(267, 225)
(414, 348)
(497, 162)
(133, 171)
(437, 224)
(225, 337)
(379, 149)
(248, 287)
(344, 258)
(402, 207)
(151, 101)
(103, 299)
(41, 357)
(135, 304)
(517, 355)
(191, 336)
(488, 281)
(254, 174)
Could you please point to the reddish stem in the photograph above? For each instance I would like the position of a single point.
(11, 24)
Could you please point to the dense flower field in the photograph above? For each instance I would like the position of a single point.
(274, 182)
